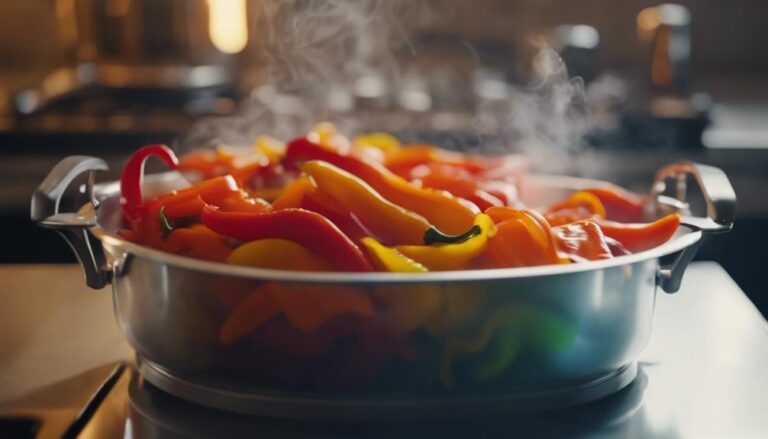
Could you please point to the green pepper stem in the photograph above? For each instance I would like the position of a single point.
(432, 235)
(165, 225)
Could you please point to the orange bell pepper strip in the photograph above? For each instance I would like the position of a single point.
(567, 216)
(198, 242)
(583, 239)
(403, 160)
(293, 194)
(583, 199)
(639, 237)
(207, 163)
(457, 181)
(523, 238)
(250, 313)
(620, 205)
(449, 214)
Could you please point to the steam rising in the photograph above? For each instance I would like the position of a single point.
(323, 56)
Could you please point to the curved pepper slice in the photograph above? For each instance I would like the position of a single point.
(198, 242)
(581, 199)
(523, 239)
(279, 254)
(449, 214)
(385, 220)
(131, 201)
(582, 239)
(456, 180)
(389, 259)
(639, 237)
(452, 256)
(401, 161)
(620, 204)
(309, 229)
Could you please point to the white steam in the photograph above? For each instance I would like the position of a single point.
(329, 59)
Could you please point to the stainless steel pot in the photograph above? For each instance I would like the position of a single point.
(493, 339)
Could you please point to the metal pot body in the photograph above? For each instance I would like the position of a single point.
(466, 336)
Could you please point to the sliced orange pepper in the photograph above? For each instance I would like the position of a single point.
(250, 313)
(523, 238)
(583, 199)
(404, 159)
(639, 237)
(198, 242)
(567, 216)
(293, 194)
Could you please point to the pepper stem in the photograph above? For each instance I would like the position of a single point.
(165, 225)
(432, 235)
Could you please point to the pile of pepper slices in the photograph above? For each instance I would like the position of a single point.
(325, 203)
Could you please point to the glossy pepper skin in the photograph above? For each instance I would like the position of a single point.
(389, 259)
(198, 242)
(309, 229)
(582, 239)
(620, 204)
(640, 237)
(278, 254)
(453, 256)
(388, 222)
(449, 214)
(523, 238)
(131, 200)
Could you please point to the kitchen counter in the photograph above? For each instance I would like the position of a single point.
(703, 374)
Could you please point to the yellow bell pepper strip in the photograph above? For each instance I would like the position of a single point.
(383, 141)
(449, 214)
(523, 239)
(309, 229)
(388, 259)
(639, 237)
(583, 199)
(278, 254)
(198, 242)
(452, 256)
(385, 220)
(582, 239)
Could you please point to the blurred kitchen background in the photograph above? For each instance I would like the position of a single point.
(661, 82)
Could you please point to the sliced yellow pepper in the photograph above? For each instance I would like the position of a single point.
(452, 256)
(389, 259)
(278, 254)
(382, 141)
(294, 193)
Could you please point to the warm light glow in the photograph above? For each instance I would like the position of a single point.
(648, 20)
(228, 24)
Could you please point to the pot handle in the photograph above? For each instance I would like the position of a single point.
(72, 226)
(720, 199)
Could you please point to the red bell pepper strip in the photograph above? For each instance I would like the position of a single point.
(639, 237)
(131, 200)
(309, 229)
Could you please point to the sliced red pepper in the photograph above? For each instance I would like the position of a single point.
(309, 229)
(131, 200)
(639, 237)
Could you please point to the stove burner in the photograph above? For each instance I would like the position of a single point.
(276, 405)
